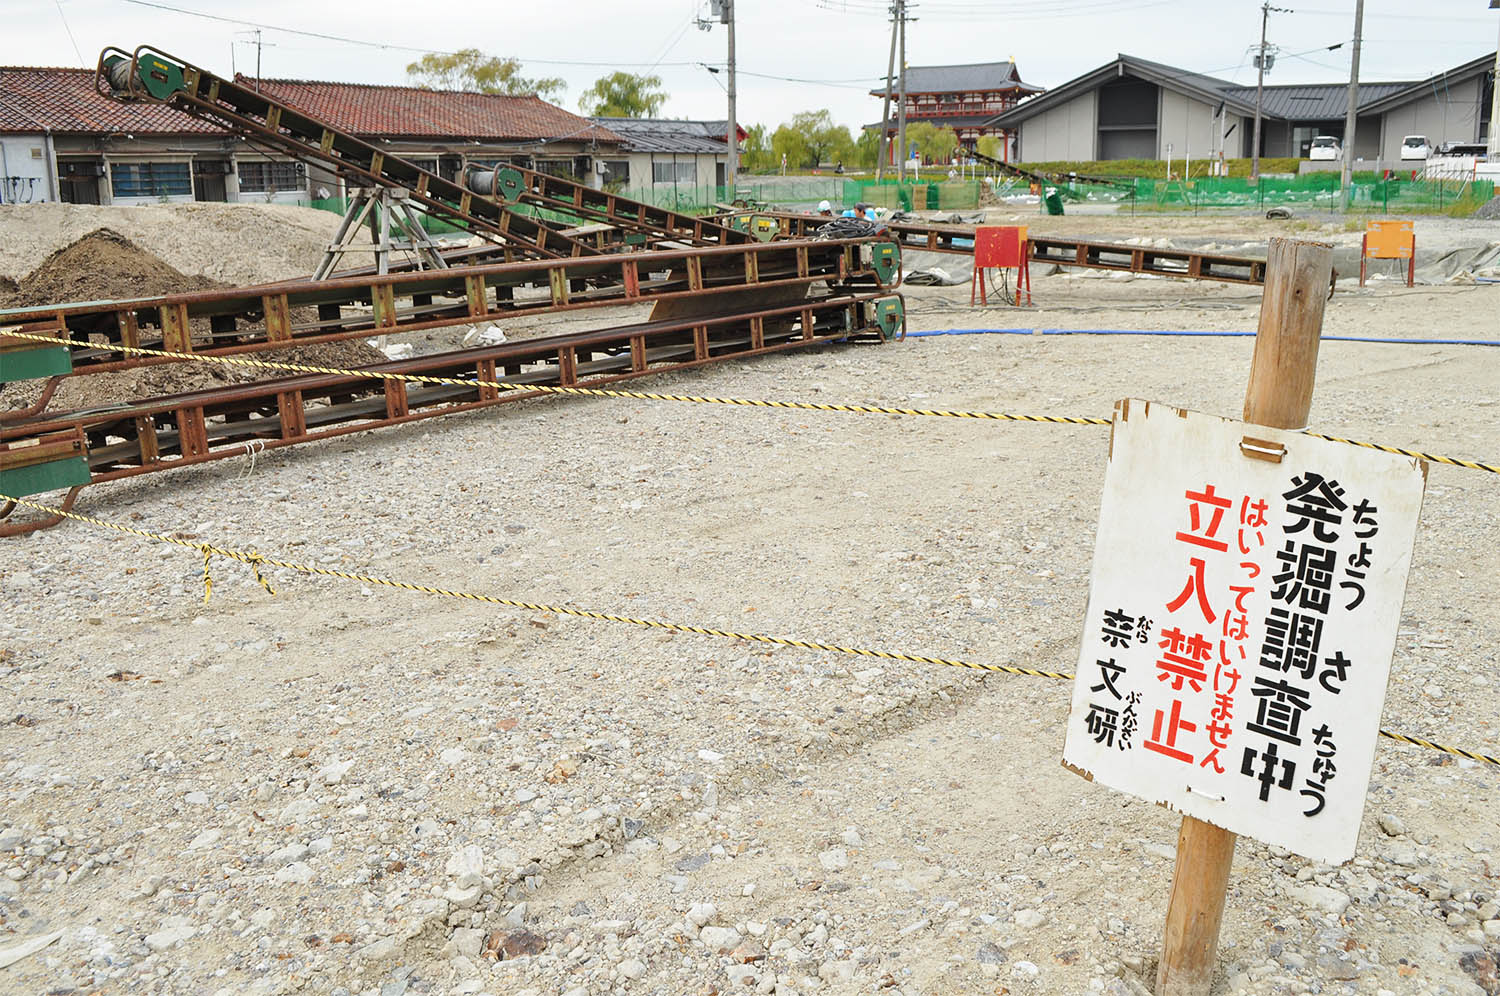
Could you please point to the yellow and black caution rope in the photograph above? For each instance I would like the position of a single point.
(599, 392)
(1429, 457)
(594, 392)
(256, 561)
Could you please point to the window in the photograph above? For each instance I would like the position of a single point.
(674, 172)
(263, 177)
(150, 180)
(556, 167)
(430, 165)
(617, 171)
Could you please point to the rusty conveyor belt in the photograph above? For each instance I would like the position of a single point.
(158, 434)
(959, 239)
(247, 319)
(148, 74)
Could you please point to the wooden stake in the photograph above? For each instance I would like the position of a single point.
(1279, 395)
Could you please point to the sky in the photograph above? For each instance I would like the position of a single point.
(794, 55)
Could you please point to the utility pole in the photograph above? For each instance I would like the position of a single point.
(257, 60)
(1260, 86)
(1494, 137)
(733, 138)
(885, 114)
(1260, 82)
(1351, 116)
(901, 110)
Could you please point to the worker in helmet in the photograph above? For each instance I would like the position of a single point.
(825, 209)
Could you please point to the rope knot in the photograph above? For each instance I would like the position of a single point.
(208, 581)
(255, 560)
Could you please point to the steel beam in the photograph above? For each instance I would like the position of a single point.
(248, 319)
(148, 74)
(959, 239)
(182, 430)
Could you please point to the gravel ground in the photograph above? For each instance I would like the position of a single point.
(234, 243)
(348, 789)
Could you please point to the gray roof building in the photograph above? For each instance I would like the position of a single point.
(964, 98)
(970, 77)
(667, 135)
(1312, 102)
(1136, 108)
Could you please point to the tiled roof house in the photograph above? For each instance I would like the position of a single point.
(60, 139)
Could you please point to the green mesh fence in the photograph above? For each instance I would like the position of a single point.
(948, 195)
(683, 198)
(1315, 191)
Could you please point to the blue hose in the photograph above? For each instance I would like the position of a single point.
(917, 335)
(1192, 332)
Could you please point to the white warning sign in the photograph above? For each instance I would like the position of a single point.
(1243, 607)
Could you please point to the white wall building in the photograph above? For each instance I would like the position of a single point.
(61, 140)
(1134, 108)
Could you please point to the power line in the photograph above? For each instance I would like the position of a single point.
(388, 46)
(852, 83)
(673, 43)
(1043, 9)
(1312, 62)
(69, 30)
(1403, 17)
(867, 84)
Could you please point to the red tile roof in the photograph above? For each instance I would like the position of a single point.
(410, 112)
(35, 98)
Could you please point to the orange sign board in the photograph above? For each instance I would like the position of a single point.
(1389, 240)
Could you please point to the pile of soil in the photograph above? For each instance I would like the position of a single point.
(104, 265)
(237, 243)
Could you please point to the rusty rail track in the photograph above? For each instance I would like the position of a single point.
(1146, 259)
(959, 240)
(158, 434)
(248, 319)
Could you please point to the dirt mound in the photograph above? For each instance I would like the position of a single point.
(349, 353)
(105, 389)
(101, 266)
(237, 243)
(100, 390)
(104, 265)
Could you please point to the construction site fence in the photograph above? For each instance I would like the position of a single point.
(1317, 191)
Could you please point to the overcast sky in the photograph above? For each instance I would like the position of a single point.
(840, 45)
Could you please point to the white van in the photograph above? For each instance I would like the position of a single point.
(1326, 148)
(1415, 147)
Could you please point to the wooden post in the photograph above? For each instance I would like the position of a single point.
(1279, 395)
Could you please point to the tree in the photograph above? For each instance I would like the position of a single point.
(934, 143)
(790, 144)
(757, 152)
(867, 148)
(811, 138)
(623, 95)
(989, 145)
(470, 69)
